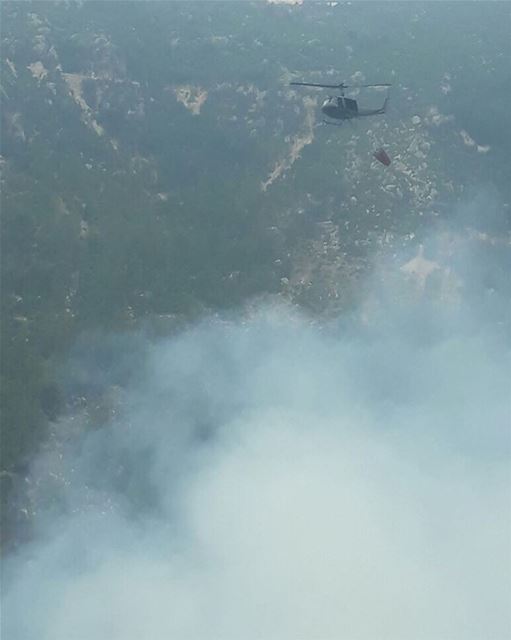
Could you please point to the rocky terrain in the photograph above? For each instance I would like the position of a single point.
(156, 166)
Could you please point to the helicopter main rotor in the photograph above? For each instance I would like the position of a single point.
(341, 86)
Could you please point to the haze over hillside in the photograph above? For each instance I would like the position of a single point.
(254, 383)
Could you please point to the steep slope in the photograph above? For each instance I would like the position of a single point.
(156, 165)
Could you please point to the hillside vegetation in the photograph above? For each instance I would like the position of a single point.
(156, 166)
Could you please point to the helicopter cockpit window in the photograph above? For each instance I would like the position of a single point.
(351, 105)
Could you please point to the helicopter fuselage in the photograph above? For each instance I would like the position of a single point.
(341, 108)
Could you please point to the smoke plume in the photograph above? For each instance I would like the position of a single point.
(267, 476)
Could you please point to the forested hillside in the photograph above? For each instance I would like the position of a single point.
(156, 166)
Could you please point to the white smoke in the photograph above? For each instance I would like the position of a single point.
(271, 478)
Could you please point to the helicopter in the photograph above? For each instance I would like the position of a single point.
(341, 108)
